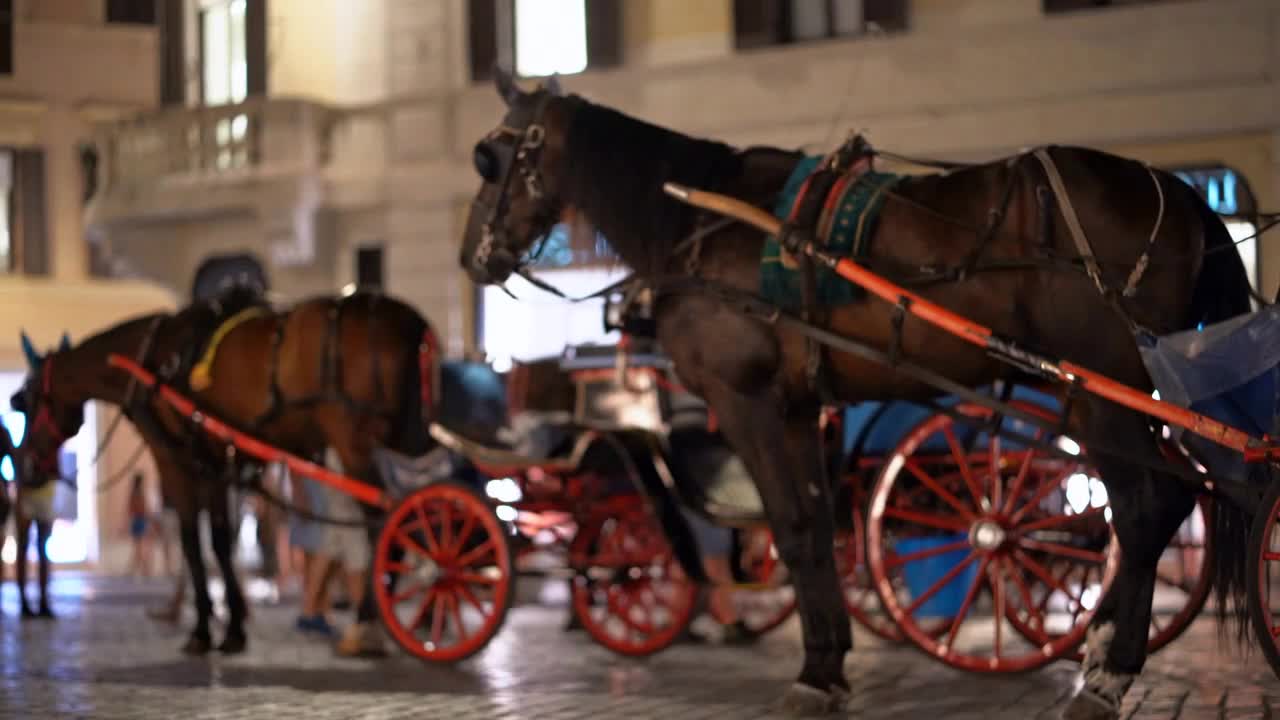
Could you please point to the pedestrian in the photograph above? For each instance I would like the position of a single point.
(307, 534)
(140, 561)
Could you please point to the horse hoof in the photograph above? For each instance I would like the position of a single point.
(197, 645)
(1088, 706)
(233, 644)
(802, 700)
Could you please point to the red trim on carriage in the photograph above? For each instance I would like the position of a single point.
(1094, 382)
(427, 376)
(267, 453)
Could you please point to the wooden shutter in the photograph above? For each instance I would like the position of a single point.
(482, 33)
(173, 61)
(132, 12)
(30, 213)
(255, 46)
(757, 23)
(890, 15)
(6, 37)
(604, 33)
(369, 267)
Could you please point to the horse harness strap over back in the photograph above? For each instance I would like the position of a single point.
(1092, 269)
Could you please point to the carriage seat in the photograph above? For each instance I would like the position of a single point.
(494, 459)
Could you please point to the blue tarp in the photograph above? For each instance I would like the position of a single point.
(1228, 371)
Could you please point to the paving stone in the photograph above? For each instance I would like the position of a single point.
(103, 659)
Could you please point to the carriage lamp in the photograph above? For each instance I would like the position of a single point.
(504, 490)
(1068, 445)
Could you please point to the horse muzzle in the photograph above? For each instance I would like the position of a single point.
(492, 263)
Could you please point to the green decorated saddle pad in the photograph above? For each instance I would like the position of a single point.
(844, 228)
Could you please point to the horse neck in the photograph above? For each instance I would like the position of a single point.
(614, 170)
(84, 369)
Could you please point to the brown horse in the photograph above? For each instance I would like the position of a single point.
(554, 158)
(343, 373)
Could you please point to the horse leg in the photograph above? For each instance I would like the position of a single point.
(43, 531)
(23, 528)
(189, 520)
(1147, 509)
(221, 536)
(783, 452)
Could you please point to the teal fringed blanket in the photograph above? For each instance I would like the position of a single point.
(853, 218)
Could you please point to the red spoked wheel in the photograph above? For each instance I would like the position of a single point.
(986, 540)
(1183, 576)
(860, 597)
(630, 593)
(1263, 581)
(443, 573)
(769, 600)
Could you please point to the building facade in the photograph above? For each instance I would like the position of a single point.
(66, 66)
(332, 140)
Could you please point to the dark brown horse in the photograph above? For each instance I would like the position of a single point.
(331, 372)
(556, 158)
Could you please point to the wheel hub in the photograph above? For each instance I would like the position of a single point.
(987, 535)
(427, 572)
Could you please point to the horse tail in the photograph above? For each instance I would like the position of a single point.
(1222, 292)
(417, 391)
(1222, 289)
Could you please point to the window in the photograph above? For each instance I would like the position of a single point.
(132, 12)
(539, 324)
(761, 23)
(224, 67)
(6, 37)
(543, 37)
(27, 222)
(369, 268)
(6, 211)
(1062, 6)
(1229, 195)
(232, 48)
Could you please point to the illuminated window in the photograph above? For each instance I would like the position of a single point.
(551, 37)
(6, 211)
(225, 75)
(543, 37)
(1228, 194)
(759, 23)
(538, 324)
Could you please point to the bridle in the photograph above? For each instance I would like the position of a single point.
(500, 163)
(44, 418)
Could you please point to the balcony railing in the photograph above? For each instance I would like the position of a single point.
(259, 137)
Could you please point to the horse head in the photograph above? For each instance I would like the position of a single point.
(52, 416)
(519, 163)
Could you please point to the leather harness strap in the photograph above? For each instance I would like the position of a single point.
(1073, 222)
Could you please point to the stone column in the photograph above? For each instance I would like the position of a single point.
(64, 188)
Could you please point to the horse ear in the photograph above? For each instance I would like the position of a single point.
(553, 85)
(506, 85)
(33, 357)
(66, 342)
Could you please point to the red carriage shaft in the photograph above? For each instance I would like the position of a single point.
(360, 491)
(982, 336)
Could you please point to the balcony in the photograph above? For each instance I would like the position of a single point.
(262, 157)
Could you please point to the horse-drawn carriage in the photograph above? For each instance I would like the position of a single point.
(612, 484)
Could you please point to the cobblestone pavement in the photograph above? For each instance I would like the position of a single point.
(103, 659)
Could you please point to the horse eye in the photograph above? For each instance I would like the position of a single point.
(486, 162)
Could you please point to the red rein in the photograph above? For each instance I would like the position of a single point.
(247, 444)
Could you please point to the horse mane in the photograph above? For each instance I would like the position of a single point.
(614, 169)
